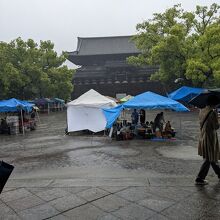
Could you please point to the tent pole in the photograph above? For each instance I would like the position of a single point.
(48, 108)
(22, 122)
(38, 117)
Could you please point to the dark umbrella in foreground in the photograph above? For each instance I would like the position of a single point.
(200, 100)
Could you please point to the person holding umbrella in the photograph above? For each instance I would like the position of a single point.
(208, 146)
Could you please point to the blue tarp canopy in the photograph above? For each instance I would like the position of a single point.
(185, 93)
(57, 100)
(15, 105)
(147, 100)
(43, 101)
(112, 114)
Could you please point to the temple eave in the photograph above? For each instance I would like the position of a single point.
(98, 58)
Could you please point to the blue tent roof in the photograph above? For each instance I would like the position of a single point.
(43, 101)
(14, 105)
(57, 100)
(185, 93)
(147, 100)
(150, 100)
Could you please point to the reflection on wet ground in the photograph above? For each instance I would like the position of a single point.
(48, 149)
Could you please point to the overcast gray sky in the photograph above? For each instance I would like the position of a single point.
(62, 21)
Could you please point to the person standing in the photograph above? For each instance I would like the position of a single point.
(142, 116)
(158, 122)
(208, 146)
(134, 117)
(33, 114)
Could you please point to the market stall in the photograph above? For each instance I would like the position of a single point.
(45, 105)
(146, 101)
(58, 104)
(15, 118)
(85, 112)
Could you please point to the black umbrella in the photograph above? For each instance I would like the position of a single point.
(5, 171)
(200, 100)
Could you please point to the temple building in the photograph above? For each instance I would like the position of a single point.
(103, 67)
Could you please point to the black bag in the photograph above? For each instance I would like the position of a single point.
(5, 171)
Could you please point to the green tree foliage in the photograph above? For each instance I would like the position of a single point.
(183, 44)
(28, 71)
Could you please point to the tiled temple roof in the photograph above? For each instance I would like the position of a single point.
(105, 45)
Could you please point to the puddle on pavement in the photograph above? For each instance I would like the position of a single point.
(180, 152)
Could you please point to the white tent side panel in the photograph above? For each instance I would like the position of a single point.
(81, 118)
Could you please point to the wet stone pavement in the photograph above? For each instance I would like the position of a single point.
(93, 177)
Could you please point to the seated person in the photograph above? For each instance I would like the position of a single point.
(152, 124)
(148, 128)
(147, 124)
(169, 131)
(125, 133)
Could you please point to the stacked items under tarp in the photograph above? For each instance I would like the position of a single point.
(13, 124)
(15, 110)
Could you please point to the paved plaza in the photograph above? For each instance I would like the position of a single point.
(94, 177)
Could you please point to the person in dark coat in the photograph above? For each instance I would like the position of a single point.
(134, 117)
(208, 146)
(33, 114)
(158, 122)
(142, 116)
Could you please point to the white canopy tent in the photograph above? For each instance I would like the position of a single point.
(86, 112)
